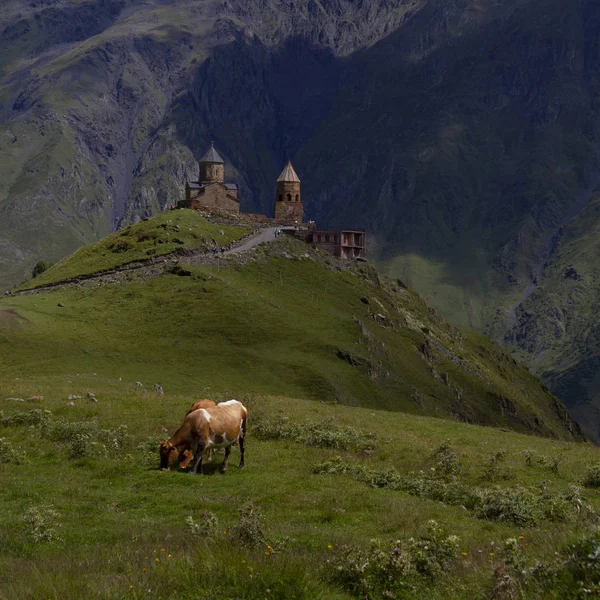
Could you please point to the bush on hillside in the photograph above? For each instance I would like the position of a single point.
(322, 435)
(206, 527)
(83, 438)
(522, 506)
(493, 470)
(8, 454)
(384, 570)
(248, 531)
(40, 267)
(592, 476)
(573, 573)
(40, 524)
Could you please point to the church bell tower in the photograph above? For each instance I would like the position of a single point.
(288, 202)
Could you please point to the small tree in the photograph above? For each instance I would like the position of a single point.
(40, 267)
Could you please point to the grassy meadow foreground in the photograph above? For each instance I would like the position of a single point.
(85, 512)
(390, 454)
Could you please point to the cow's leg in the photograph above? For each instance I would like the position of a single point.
(197, 464)
(226, 459)
(242, 438)
(242, 441)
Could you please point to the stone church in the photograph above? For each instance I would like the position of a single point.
(211, 193)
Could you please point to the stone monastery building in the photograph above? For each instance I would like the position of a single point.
(211, 194)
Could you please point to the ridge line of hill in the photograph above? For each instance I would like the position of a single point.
(244, 244)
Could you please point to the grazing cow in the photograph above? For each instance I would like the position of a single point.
(187, 454)
(218, 427)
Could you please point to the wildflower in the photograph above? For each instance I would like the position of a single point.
(170, 556)
(130, 587)
(492, 554)
(329, 546)
(521, 537)
(144, 569)
(157, 559)
(465, 553)
(162, 550)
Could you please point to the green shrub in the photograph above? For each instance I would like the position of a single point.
(248, 531)
(573, 573)
(592, 476)
(114, 441)
(384, 570)
(518, 505)
(40, 267)
(322, 435)
(79, 446)
(8, 454)
(40, 523)
(123, 245)
(36, 417)
(493, 470)
(446, 461)
(206, 527)
(551, 463)
(522, 506)
(529, 457)
(83, 437)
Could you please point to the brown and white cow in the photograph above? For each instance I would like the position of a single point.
(220, 426)
(187, 454)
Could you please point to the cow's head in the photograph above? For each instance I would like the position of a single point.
(168, 452)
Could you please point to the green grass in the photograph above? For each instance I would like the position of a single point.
(297, 324)
(167, 233)
(118, 514)
(337, 366)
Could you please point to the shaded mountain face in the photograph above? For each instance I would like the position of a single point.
(462, 134)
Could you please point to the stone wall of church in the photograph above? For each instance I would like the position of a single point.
(215, 197)
(288, 212)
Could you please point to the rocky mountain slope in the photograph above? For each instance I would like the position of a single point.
(462, 133)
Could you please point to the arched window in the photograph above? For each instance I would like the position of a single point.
(326, 237)
(280, 197)
(297, 197)
(289, 197)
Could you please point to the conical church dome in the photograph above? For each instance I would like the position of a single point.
(288, 174)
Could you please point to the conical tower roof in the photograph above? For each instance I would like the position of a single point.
(212, 156)
(288, 174)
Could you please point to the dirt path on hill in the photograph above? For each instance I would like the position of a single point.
(264, 236)
(161, 264)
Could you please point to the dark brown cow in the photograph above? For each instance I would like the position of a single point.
(218, 427)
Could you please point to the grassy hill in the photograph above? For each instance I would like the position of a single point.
(319, 328)
(358, 393)
(167, 233)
